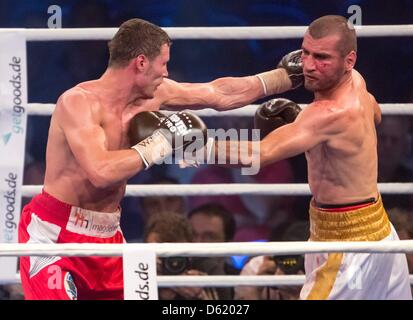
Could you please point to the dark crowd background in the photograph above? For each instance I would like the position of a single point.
(385, 62)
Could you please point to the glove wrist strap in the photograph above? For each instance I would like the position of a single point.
(275, 81)
(154, 149)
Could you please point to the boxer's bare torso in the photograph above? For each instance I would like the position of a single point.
(343, 169)
(88, 159)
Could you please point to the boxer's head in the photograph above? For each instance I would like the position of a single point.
(143, 48)
(136, 37)
(329, 52)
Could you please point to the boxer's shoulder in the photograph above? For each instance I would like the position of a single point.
(79, 100)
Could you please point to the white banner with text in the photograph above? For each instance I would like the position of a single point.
(13, 119)
(139, 274)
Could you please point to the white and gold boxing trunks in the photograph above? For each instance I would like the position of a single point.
(354, 275)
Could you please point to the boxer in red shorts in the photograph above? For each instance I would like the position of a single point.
(91, 154)
(48, 220)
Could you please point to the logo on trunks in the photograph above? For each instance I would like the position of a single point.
(80, 218)
(70, 287)
(91, 223)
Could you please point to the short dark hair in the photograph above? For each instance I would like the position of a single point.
(335, 25)
(217, 210)
(135, 37)
(170, 227)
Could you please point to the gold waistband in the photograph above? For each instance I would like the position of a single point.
(369, 223)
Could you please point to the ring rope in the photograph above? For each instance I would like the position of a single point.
(46, 109)
(218, 281)
(214, 281)
(288, 189)
(203, 249)
(231, 281)
(211, 33)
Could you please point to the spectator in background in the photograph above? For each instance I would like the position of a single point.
(394, 146)
(137, 211)
(277, 265)
(255, 215)
(213, 223)
(152, 205)
(172, 227)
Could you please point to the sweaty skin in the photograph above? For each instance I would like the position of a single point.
(342, 162)
(336, 131)
(88, 159)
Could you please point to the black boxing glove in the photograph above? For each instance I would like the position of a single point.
(275, 113)
(143, 124)
(173, 133)
(292, 63)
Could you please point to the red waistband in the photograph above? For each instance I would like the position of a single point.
(348, 208)
(75, 219)
(51, 209)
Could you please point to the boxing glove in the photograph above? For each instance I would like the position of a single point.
(174, 133)
(275, 113)
(292, 63)
(143, 124)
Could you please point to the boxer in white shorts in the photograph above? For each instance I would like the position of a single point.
(337, 133)
(357, 276)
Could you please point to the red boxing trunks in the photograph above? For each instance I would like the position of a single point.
(48, 220)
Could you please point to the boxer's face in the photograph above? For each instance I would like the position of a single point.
(152, 72)
(323, 65)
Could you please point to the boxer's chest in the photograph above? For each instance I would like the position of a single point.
(115, 132)
(116, 125)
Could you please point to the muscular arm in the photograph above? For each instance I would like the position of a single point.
(284, 142)
(312, 127)
(78, 118)
(223, 93)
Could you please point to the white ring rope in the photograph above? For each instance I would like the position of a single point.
(232, 281)
(288, 189)
(229, 281)
(214, 281)
(46, 109)
(208, 249)
(211, 33)
(218, 281)
(203, 249)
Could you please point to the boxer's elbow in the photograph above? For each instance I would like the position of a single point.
(102, 176)
(100, 181)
